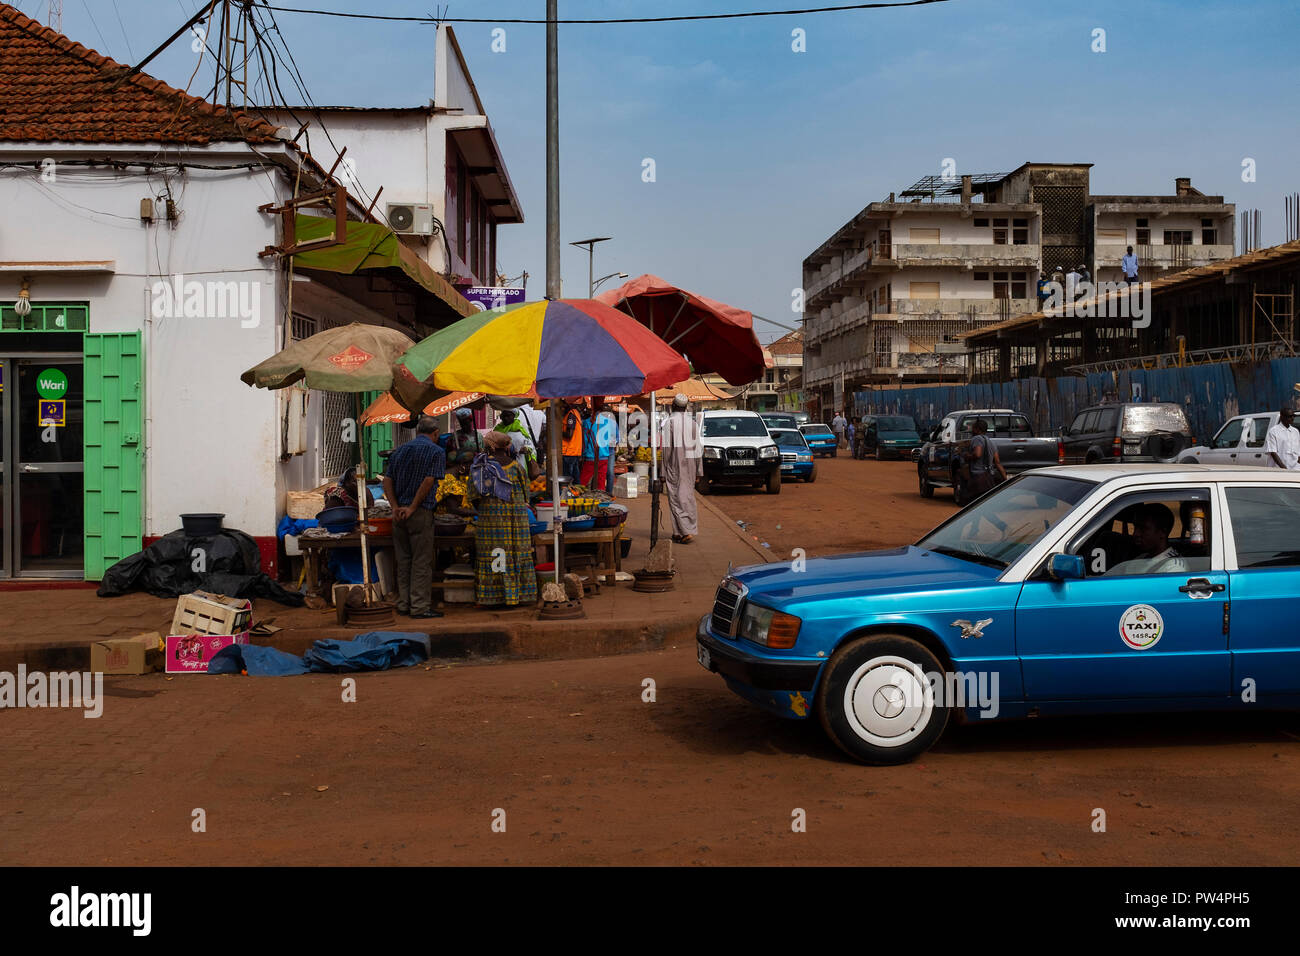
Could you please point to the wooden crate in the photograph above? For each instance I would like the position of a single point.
(205, 613)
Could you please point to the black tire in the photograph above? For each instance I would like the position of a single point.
(960, 493)
(886, 738)
(1189, 460)
(812, 475)
(834, 452)
(774, 483)
(927, 489)
(702, 485)
(880, 455)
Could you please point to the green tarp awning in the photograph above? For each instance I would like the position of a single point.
(372, 246)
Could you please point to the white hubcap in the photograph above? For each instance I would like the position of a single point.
(888, 701)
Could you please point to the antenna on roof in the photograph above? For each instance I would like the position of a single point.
(56, 14)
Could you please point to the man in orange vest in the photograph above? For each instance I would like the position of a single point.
(571, 446)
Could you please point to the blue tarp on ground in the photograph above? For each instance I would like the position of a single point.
(376, 651)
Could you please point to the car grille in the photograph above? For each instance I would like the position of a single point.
(742, 453)
(789, 456)
(726, 606)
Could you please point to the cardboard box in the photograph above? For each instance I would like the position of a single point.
(190, 653)
(131, 655)
(631, 486)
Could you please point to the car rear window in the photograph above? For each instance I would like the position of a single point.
(1266, 526)
(817, 430)
(738, 426)
(1144, 419)
(895, 425)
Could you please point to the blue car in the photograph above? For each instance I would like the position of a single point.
(796, 456)
(1087, 589)
(820, 439)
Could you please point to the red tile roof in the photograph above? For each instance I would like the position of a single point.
(789, 344)
(55, 90)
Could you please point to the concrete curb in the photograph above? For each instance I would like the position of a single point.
(764, 555)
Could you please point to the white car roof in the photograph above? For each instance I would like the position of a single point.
(730, 413)
(1171, 472)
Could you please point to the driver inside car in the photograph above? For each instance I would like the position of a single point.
(1151, 526)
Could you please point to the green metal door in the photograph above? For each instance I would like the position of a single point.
(114, 456)
(374, 438)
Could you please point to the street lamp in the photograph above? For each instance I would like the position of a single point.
(591, 249)
(596, 284)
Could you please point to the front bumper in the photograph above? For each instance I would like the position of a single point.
(819, 447)
(899, 451)
(721, 472)
(763, 673)
(796, 469)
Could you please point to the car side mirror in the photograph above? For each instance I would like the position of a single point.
(1065, 567)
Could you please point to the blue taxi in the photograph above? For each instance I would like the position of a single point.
(820, 439)
(796, 456)
(1099, 588)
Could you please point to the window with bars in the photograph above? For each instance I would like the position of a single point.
(302, 327)
(337, 455)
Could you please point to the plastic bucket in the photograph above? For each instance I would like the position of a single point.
(641, 467)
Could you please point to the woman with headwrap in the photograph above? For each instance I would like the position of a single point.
(452, 494)
(343, 493)
(498, 488)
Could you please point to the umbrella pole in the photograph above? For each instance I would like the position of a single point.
(361, 515)
(553, 465)
(654, 469)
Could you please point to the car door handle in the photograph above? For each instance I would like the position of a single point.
(1201, 584)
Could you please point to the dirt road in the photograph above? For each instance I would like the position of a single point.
(585, 770)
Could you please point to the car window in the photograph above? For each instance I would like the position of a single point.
(896, 425)
(1266, 526)
(1090, 422)
(1008, 521)
(1076, 426)
(787, 438)
(1230, 434)
(1144, 419)
(1116, 544)
(816, 430)
(1262, 426)
(1107, 420)
(739, 426)
(965, 427)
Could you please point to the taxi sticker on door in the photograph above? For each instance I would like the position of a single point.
(1141, 626)
(53, 412)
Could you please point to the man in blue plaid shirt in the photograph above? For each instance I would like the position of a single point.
(412, 473)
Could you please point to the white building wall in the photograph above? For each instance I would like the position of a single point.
(211, 442)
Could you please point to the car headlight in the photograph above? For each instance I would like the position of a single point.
(769, 451)
(803, 457)
(762, 625)
(711, 452)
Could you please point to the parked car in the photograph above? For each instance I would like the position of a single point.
(888, 436)
(738, 451)
(1146, 431)
(801, 418)
(778, 420)
(1239, 442)
(1029, 603)
(943, 462)
(796, 456)
(820, 439)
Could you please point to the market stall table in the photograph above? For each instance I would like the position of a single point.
(314, 549)
(606, 540)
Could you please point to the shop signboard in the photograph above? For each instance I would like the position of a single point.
(53, 413)
(490, 298)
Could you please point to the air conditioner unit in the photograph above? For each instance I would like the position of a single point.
(410, 219)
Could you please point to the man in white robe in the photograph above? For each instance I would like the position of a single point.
(680, 466)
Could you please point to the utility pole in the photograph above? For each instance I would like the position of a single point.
(590, 244)
(553, 248)
(235, 34)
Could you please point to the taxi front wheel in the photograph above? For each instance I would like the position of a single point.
(876, 700)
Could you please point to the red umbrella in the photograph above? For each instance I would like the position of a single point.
(713, 336)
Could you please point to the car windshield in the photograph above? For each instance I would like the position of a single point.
(816, 430)
(1141, 419)
(895, 425)
(1001, 527)
(787, 438)
(779, 421)
(737, 426)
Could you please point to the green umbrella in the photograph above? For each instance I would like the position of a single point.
(350, 358)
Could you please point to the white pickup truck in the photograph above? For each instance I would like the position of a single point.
(1239, 442)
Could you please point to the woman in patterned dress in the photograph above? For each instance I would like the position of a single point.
(498, 488)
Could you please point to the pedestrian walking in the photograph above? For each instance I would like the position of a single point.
(606, 429)
(587, 474)
(413, 471)
(680, 467)
(851, 435)
(984, 460)
(1130, 266)
(1282, 443)
(838, 424)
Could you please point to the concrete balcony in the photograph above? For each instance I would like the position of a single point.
(980, 311)
(1109, 255)
(852, 266)
(974, 255)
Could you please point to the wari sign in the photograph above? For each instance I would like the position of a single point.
(490, 298)
(51, 383)
(351, 358)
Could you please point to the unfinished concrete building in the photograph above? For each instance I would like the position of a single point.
(892, 293)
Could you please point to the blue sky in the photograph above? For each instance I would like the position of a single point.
(761, 152)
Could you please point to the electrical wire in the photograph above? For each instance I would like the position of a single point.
(677, 19)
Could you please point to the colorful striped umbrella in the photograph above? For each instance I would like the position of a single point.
(547, 349)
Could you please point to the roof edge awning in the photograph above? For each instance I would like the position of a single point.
(477, 142)
(372, 246)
